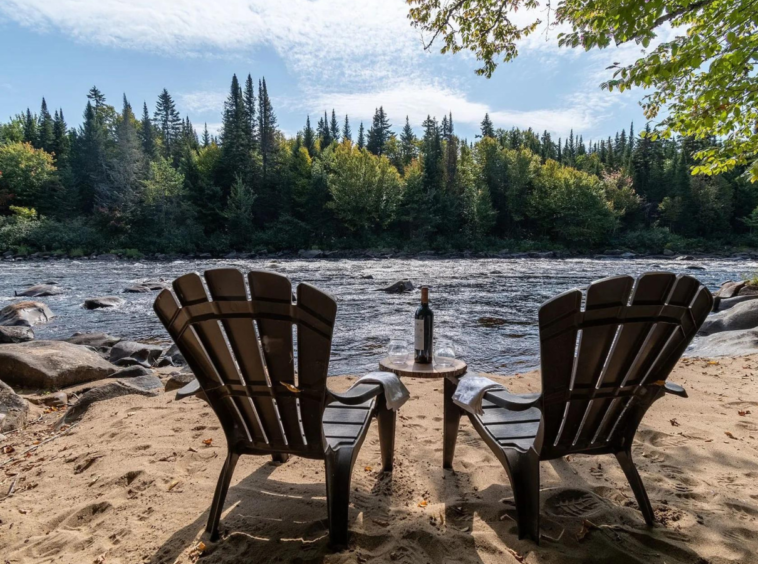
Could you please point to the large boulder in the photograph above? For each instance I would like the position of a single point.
(129, 353)
(178, 380)
(729, 289)
(102, 302)
(25, 313)
(399, 287)
(141, 385)
(726, 343)
(146, 287)
(96, 340)
(13, 409)
(729, 303)
(172, 357)
(740, 317)
(16, 334)
(51, 364)
(40, 290)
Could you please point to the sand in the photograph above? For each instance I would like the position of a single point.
(133, 481)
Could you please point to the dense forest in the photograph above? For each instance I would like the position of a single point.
(146, 182)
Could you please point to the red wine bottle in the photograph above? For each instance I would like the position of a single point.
(424, 329)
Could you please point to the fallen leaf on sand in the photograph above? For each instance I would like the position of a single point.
(674, 422)
(192, 449)
(173, 484)
(8, 449)
(743, 412)
(713, 363)
(368, 469)
(208, 442)
(100, 559)
(515, 554)
(23, 511)
(729, 434)
(423, 503)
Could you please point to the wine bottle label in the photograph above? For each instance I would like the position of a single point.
(419, 340)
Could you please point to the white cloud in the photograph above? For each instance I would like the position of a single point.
(355, 41)
(202, 101)
(417, 100)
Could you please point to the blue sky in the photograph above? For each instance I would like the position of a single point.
(315, 54)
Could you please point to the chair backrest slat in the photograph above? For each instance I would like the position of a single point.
(269, 292)
(229, 285)
(597, 363)
(190, 291)
(241, 351)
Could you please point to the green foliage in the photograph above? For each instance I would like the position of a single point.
(366, 189)
(704, 78)
(239, 214)
(24, 173)
(570, 206)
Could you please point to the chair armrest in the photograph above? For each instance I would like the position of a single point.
(514, 402)
(356, 395)
(189, 390)
(675, 389)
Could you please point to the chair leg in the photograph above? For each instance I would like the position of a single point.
(386, 419)
(452, 420)
(222, 488)
(280, 457)
(524, 472)
(633, 476)
(339, 468)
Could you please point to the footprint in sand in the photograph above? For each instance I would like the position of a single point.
(574, 503)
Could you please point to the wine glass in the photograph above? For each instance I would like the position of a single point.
(444, 353)
(398, 352)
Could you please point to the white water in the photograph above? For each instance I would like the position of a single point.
(461, 292)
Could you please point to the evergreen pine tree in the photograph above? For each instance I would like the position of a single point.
(235, 137)
(266, 126)
(45, 137)
(407, 143)
(91, 159)
(252, 123)
(309, 138)
(347, 134)
(487, 128)
(379, 132)
(334, 128)
(206, 136)
(60, 139)
(147, 135)
(324, 132)
(361, 137)
(168, 122)
(96, 97)
(126, 169)
(30, 128)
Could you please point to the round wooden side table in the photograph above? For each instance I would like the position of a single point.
(432, 370)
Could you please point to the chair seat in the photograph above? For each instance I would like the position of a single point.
(508, 428)
(346, 424)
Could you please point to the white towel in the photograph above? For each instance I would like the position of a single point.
(395, 392)
(471, 390)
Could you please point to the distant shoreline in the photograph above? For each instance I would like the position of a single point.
(387, 254)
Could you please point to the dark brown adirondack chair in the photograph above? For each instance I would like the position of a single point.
(602, 367)
(242, 353)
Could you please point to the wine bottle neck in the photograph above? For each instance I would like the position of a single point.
(424, 295)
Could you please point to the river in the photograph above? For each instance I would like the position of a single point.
(461, 292)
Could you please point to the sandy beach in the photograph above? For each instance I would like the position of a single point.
(132, 483)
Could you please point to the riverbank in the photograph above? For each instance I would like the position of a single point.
(312, 254)
(134, 480)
